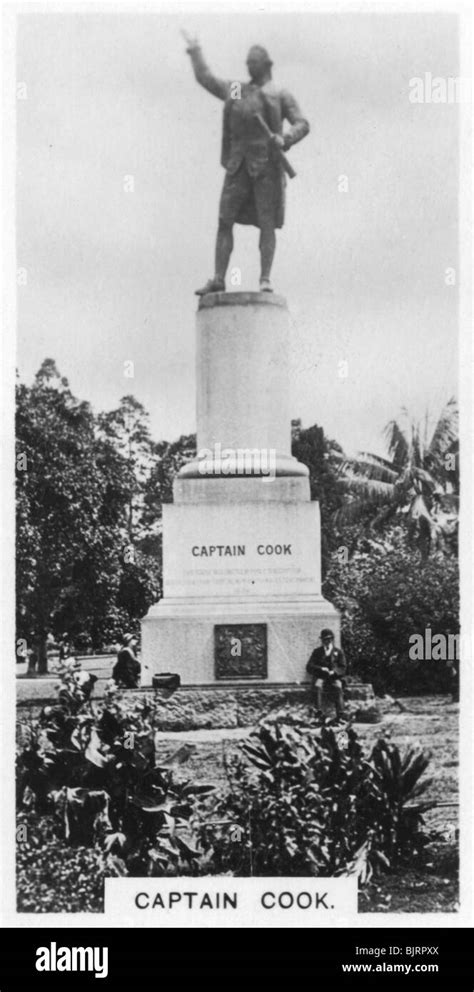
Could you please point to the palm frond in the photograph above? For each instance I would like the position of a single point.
(374, 491)
(398, 443)
(417, 451)
(337, 457)
(377, 459)
(374, 467)
(363, 493)
(418, 510)
(423, 476)
(446, 431)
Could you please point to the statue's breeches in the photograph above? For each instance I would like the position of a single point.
(257, 200)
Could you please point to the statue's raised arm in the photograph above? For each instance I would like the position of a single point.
(218, 87)
(252, 153)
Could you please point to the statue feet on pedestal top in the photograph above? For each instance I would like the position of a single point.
(217, 285)
(212, 286)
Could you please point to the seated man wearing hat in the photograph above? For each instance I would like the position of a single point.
(327, 667)
(126, 672)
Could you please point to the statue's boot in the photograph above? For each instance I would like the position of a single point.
(214, 285)
(266, 286)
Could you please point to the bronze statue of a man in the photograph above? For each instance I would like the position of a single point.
(252, 147)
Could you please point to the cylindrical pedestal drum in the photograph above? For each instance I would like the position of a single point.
(242, 359)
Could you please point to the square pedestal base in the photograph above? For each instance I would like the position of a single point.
(180, 636)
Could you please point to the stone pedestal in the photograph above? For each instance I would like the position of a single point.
(241, 542)
(242, 358)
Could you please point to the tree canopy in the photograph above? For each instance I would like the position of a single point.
(90, 490)
(79, 480)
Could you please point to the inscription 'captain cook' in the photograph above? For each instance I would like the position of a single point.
(237, 550)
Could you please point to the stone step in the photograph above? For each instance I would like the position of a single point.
(193, 708)
(359, 690)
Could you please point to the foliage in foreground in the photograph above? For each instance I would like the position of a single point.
(94, 770)
(54, 877)
(308, 801)
(300, 800)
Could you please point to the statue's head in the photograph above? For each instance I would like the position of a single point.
(259, 63)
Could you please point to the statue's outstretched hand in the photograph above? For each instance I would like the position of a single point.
(278, 141)
(191, 42)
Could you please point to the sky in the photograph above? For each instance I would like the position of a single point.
(111, 271)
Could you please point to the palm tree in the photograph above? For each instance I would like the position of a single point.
(418, 482)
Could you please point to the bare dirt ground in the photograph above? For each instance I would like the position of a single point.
(430, 885)
(428, 722)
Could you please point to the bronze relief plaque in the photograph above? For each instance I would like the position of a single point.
(240, 651)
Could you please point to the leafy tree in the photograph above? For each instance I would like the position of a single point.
(140, 586)
(168, 459)
(80, 484)
(387, 592)
(71, 502)
(127, 428)
(418, 483)
(322, 457)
